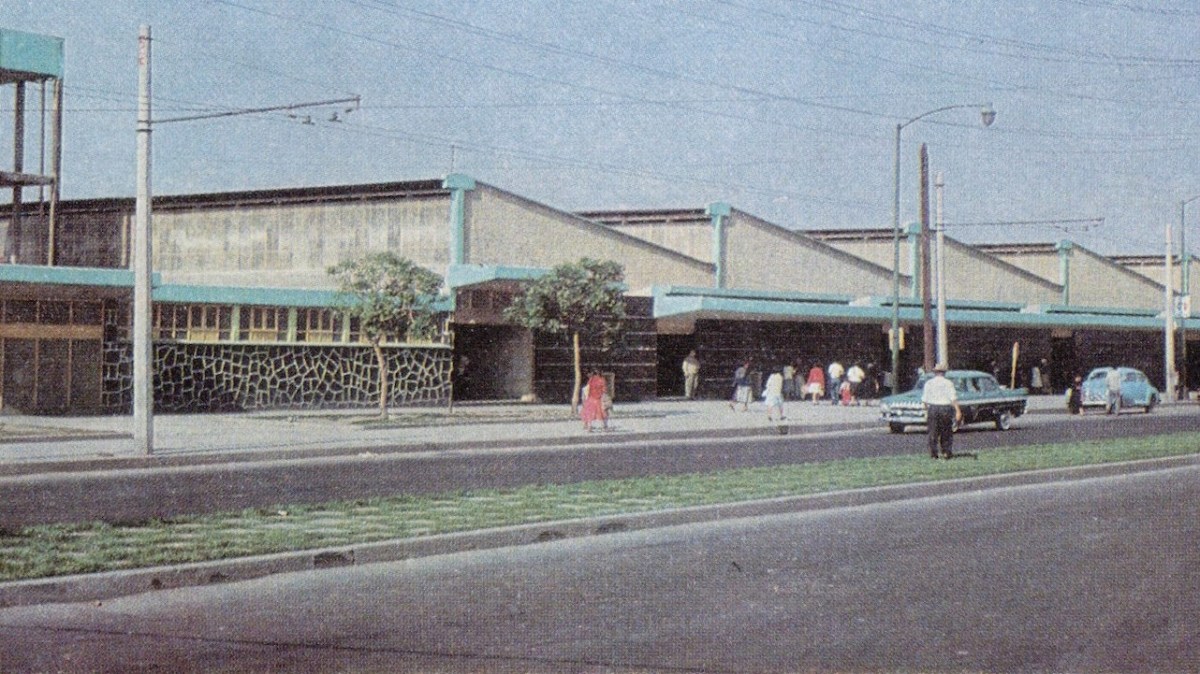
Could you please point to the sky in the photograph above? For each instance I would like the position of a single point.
(786, 109)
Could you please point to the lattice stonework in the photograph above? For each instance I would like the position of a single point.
(219, 377)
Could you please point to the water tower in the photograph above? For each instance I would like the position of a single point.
(33, 61)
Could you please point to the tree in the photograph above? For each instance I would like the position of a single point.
(391, 297)
(582, 299)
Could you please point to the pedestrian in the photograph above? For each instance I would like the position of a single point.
(815, 382)
(1113, 381)
(773, 396)
(596, 401)
(856, 377)
(835, 371)
(741, 387)
(789, 381)
(941, 411)
(691, 375)
(1075, 396)
(1047, 387)
(1035, 378)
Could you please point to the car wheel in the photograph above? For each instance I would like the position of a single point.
(896, 428)
(1150, 405)
(1003, 421)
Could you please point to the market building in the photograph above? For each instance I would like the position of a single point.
(246, 316)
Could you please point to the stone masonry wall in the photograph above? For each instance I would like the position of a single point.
(222, 377)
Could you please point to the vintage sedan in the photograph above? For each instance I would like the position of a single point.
(1136, 389)
(980, 397)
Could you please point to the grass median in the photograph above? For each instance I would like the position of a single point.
(56, 550)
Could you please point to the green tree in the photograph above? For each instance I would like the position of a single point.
(391, 297)
(582, 299)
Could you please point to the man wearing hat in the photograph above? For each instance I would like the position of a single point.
(941, 411)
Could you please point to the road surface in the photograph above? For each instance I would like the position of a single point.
(1092, 575)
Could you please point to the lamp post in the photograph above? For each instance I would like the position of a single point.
(987, 116)
(1186, 291)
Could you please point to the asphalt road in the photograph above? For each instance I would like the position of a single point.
(1086, 576)
(138, 494)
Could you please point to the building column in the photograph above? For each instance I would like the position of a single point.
(914, 256)
(459, 185)
(1064, 248)
(718, 211)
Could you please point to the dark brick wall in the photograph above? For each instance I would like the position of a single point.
(633, 361)
(722, 346)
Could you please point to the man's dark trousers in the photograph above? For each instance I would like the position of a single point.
(940, 420)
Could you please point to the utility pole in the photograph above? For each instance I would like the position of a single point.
(143, 254)
(143, 344)
(927, 338)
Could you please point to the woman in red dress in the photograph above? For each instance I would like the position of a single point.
(593, 404)
(815, 384)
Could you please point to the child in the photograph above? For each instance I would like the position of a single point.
(846, 392)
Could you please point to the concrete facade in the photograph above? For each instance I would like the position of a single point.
(1088, 279)
(971, 274)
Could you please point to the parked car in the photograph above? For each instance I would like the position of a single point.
(980, 397)
(1136, 389)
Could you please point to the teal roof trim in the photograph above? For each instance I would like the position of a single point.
(667, 306)
(766, 295)
(286, 297)
(460, 275)
(275, 297)
(79, 276)
(673, 301)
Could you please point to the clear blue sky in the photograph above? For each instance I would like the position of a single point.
(785, 109)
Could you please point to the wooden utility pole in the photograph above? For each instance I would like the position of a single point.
(927, 339)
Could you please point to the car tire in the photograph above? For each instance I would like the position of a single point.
(1003, 421)
(896, 428)
(1150, 405)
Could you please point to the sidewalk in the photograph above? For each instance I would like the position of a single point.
(29, 444)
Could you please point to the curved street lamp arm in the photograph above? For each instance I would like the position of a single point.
(986, 107)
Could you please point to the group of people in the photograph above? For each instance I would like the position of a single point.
(842, 385)
(836, 383)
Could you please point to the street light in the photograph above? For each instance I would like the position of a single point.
(987, 115)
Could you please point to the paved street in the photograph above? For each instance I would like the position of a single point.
(663, 438)
(1094, 575)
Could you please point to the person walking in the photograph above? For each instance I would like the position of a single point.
(1035, 378)
(855, 376)
(1113, 381)
(773, 396)
(741, 387)
(1075, 396)
(789, 381)
(594, 407)
(941, 411)
(835, 371)
(815, 382)
(691, 375)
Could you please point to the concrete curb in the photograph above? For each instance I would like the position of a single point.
(100, 586)
(202, 458)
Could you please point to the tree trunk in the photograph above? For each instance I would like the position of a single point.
(578, 358)
(383, 380)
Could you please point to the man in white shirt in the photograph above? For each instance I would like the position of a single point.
(835, 379)
(941, 411)
(855, 376)
(1112, 381)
